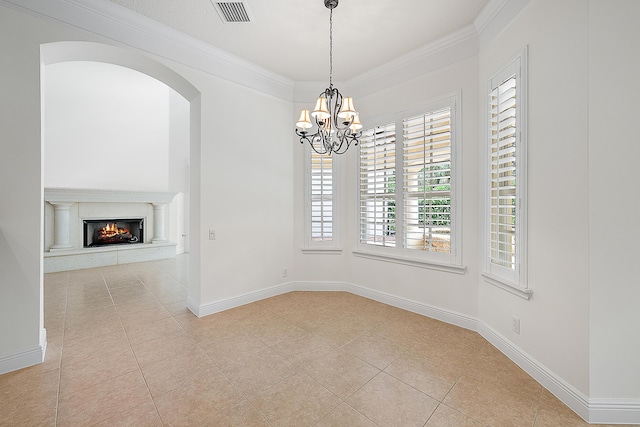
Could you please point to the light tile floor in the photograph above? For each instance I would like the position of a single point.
(123, 350)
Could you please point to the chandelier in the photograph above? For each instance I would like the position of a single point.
(336, 121)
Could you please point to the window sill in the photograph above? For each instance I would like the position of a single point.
(524, 293)
(451, 268)
(320, 251)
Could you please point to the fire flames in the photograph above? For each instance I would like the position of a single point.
(112, 230)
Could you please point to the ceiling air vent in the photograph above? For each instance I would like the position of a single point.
(233, 12)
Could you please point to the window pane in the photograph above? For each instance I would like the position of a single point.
(427, 181)
(321, 197)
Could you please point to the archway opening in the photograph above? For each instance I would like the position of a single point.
(180, 175)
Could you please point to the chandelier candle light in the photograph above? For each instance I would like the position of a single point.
(337, 122)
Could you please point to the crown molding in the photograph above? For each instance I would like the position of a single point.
(307, 92)
(445, 51)
(453, 47)
(128, 28)
(495, 16)
(488, 13)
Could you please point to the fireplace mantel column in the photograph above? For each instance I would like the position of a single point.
(61, 226)
(158, 223)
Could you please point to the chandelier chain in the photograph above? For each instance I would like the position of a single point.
(331, 48)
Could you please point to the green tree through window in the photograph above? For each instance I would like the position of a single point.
(435, 210)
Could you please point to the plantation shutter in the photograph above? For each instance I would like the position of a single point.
(378, 186)
(427, 181)
(321, 197)
(503, 197)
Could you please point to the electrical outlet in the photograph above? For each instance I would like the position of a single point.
(285, 272)
(212, 234)
(515, 324)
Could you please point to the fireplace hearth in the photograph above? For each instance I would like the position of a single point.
(107, 232)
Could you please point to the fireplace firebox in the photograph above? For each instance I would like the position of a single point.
(105, 232)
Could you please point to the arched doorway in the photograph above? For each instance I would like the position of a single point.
(61, 52)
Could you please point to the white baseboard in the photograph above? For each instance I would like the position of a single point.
(603, 411)
(433, 312)
(26, 358)
(229, 303)
(614, 411)
(571, 397)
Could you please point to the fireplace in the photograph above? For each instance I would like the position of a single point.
(106, 232)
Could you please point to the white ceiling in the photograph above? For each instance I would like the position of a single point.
(291, 37)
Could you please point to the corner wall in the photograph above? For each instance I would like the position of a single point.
(555, 321)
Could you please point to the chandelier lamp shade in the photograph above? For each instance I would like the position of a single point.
(334, 124)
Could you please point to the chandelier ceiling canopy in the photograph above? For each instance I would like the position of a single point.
(334, 119)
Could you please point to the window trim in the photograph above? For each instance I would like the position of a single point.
(513, 281)
(451, 262)
(327, 246)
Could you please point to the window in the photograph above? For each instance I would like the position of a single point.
(321, 197)
(427, 181)
(320, 221)
(378, 186)
(506, 179)
(408, 188)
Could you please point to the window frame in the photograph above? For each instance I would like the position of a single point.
(450, 262)
(512, 280)
(320, 246)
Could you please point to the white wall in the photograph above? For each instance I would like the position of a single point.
(21, 319)
(247, 196)
(106, 127)
(614, 150)
(555, 322)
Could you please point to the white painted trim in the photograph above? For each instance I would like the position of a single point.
(23, 359)
(514, 289)
(413, 262)
(495, 16)
(573, 398)
(59, 195)
(488, 14)
(614, 411)
(193, 306)
(321, 251)
(135, 30)
(124, 26)
(433, 312)
(604, 411)
(452, 48)
(237, 301)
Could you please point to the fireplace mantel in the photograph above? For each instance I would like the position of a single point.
(78, 195)
(68, 207)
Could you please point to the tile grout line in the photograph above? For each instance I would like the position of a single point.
(64, 324)
(130, 349)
